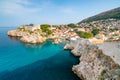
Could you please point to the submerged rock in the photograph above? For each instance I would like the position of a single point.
(57, 41)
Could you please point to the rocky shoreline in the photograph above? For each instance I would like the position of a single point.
(94, 63)
(40, 33)
(31, 38)
(26, 37)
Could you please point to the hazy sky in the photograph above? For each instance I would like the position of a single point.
(18, 12)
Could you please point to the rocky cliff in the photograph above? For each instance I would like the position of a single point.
(94, 64)
(27, 36)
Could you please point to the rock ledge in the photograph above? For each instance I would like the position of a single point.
(94, 64)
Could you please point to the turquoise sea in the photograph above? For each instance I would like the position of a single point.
(47, 61)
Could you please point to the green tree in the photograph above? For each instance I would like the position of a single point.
(113, 29)
(45, 28)
(31, 24)
(71, 25)
(95, 31)
(85, 34)
(48, 32)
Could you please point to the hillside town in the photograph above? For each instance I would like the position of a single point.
(39, 34)
(95, 32)
(110, 28)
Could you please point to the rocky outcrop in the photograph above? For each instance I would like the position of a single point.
(71, 45)
(57, 41)
(27, 36)
(94, 64)
(33, 39)
(77, 46)
(17, 33)
(12, 33)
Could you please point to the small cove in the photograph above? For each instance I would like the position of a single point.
(47, 61)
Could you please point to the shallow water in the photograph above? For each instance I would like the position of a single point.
(47, 61)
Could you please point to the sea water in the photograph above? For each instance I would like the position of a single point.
(21, 61)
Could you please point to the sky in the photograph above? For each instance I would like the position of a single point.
(19, 12)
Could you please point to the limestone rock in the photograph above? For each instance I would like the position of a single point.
(33, 39)
(12, 33)
(27, 37)
(94, 64)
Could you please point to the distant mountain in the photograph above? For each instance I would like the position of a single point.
(114, 13)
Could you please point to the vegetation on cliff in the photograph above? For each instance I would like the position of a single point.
(85, 34)
(95, 31)
(45, 28)
(72, 25)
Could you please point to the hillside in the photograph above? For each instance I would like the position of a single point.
(114, 13)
